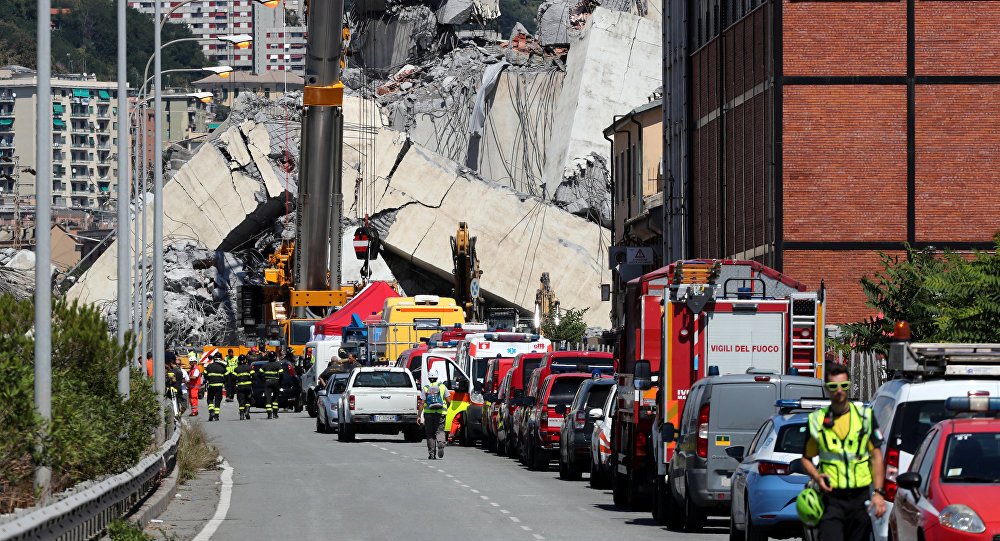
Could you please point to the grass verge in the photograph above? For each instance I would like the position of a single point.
(195, 452)
(123, 530)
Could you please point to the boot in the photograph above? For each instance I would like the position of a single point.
(275, 413)
(241, 415)
(248, 415)
(268, 415)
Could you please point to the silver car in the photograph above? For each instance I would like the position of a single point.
(600, 443)
(326, 403)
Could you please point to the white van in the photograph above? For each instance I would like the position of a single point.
(321, 352)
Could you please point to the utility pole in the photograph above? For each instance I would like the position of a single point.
(158, 338)
(43, 246)
(123, 191)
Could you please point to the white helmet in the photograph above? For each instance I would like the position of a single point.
(432, 375)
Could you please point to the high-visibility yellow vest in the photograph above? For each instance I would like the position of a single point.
(846, 462)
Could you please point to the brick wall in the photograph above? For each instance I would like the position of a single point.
(844, 38)
(841, 271)
(957, 37)
(957, 145)
(844, 163)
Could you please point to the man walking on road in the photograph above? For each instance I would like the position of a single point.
(272, 380)
(433, 406)
(231, 363)
(244, 378)
(215, 373)
(846, 439)
(194, 385)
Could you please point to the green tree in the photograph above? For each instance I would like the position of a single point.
(945, 297)
(86, 34)
(571, 326)
(94, 431)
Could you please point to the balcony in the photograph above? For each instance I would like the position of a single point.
(6, 97)
(4, 144)
(58, 186)
(78, 113)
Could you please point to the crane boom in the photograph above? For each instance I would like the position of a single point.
(320, 199)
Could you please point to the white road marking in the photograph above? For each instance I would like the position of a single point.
(504, 511)
(484, 497)
(465, 486)
(536, 536)
(495, 504)
(514, 519)
(225, 497)
(457, 481)
(450, 476)
(440, 470)
(525, 528)
(474, 491)
(394, 452)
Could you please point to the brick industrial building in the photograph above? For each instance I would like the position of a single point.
(810, 135)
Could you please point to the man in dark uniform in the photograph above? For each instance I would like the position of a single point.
(272, 380)
(244, 378)
(215, 373)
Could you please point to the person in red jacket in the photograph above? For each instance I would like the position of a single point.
(194, 383)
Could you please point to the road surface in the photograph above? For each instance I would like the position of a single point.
(290, 482)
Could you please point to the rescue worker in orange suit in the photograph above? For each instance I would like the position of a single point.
(244, 380)
(272, 379)
(215, 373)
(194, 381)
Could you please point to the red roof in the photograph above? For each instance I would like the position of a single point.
(370, 299)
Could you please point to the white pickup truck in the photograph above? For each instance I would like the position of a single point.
(379, 400)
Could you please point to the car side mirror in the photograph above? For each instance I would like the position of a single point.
(667, 432)
(560, 409)
(596, 414)
(909, 480)
(642, 377)
(321, 392)
(736, 452)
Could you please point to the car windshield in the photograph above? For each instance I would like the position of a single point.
(382, 379)
(563, 391)
(301, 332)
(972, 458)
(913, 421)
(792, 439)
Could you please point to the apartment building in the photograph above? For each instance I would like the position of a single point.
(269, 84)
(284, 50)
(84, 139)
(210, 19)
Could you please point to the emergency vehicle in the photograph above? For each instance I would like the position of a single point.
(474, 353)
(703, 317)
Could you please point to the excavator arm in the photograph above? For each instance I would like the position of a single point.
(466, 273)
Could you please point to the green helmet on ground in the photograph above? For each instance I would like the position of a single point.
(809, 506)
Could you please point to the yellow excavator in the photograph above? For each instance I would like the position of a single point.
(466, 274)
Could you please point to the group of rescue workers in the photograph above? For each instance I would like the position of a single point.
(230, 376)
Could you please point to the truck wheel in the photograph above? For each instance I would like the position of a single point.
(635, 493)
(596, 477)
(346, 433)
(672, 515)
(694, 518)
(465, 438)
(539, 460)
(568, 471)
(750, 533)
(311, 406)
(619, 485)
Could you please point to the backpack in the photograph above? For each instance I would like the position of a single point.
(433, 400)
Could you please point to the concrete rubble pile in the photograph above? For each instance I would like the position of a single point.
(529, 112)
(17, 273)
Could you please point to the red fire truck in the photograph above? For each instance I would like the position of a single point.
(704, 317)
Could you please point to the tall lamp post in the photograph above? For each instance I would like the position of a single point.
(43, 238)
(122, 206)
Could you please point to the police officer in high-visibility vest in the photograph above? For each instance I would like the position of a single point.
(215, 373)
(846, 439)
(272, 381)
(433, 405)
(244, 378)
(231, 362)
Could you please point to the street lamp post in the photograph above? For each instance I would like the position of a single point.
(122, 207)
(43, 239)
(159, 351)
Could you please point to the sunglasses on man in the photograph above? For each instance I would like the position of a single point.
(833, 386)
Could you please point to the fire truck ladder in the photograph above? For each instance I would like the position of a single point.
(804, 332)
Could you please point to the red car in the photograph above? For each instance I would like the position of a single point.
(952, 489)
(543, 422)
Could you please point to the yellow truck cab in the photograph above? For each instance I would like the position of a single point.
(406, 320)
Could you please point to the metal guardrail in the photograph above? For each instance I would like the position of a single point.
(86, 514)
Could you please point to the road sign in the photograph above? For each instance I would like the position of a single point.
(639, 256)
(474, 288)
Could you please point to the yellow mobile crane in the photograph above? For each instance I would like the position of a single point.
(303, 281)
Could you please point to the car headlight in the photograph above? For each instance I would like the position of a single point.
(962, 518)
